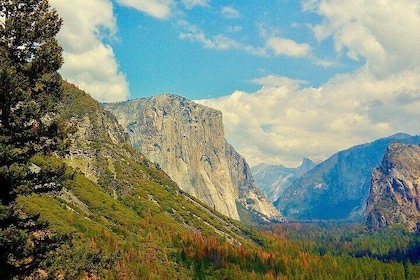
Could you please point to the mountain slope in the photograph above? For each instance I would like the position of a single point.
(119, 208)
(187, 141)
(128, 220)
(394, 196)
(338, 187)
(274, 179)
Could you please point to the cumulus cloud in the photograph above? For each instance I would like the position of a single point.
(157, 8)
(287, 120)
(284, 121)
(102, 79)
(231, 13)
(88, 62)
(189, 4)
(282, 46)
(384, 33)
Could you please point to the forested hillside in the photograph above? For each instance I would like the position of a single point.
(79, 202)
(338, 188)
(128, 220)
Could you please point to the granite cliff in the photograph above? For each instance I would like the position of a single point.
(111, 172)
(395, 189)
(127, 219)
(338, 188)
(274, 179)
(187, 141)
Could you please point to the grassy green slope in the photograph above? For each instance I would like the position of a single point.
(129, 220)
(118, 205)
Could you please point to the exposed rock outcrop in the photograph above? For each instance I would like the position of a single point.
(103, 164)
(187, 141)
(337, 188)
(395, 189)
(93, 128)
(274, 179)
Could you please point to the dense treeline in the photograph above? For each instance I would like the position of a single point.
(30, 86)
(309, 251)
(361, 254)
(152, 230)
(134, 238)
(77, 204)
(353, 239)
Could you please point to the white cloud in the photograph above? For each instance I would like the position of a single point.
(384, 33)
(276, 81)
(287, 120)
(277, 45)
(88, 62)
(283, 46)
(274, 45)
(96, 72)
(231, 13)
(83, 22)
(283, 122)
(157, 8)
(218, 42)
(189, 4)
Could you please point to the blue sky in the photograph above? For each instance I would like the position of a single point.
(185, 53)
(293, 79)
(205, 49)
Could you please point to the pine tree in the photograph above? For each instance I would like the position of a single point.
(30, 85)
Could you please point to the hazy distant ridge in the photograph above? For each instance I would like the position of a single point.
(338, 187)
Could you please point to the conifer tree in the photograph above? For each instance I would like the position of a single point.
(30, 85)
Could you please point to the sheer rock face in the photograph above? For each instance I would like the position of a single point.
(395, 189)
(338, 188)
(187, 141)
(274, 179)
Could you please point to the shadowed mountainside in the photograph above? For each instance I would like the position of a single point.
(337, 188)
(274, 179)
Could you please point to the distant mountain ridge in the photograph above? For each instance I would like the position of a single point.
(337, 188)
(394, 196)
(187, 141)
(274, 179)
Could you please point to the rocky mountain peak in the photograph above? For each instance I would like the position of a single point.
(187, 141)
(395, 189)
(338, 188)
(307, 164)
(274, 179)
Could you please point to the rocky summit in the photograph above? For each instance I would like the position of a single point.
(274, 179)
(338, 188)
(395, 189)
(187, 141)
